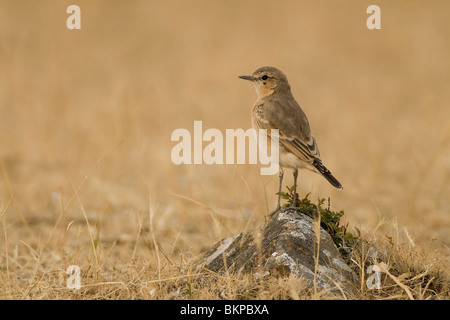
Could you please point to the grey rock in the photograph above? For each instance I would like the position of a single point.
(285, 245)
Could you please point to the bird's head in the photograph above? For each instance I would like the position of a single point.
(267, 81)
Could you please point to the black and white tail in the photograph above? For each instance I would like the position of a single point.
(327, 174)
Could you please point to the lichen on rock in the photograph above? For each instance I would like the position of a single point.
(288, 244)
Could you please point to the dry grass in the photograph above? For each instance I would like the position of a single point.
(86, 118)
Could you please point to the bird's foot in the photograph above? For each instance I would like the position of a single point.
(274, 211)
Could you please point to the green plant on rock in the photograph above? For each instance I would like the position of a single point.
(329, 220)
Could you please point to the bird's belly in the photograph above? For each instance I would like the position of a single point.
(289, 160)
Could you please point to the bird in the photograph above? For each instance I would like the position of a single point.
(276, 108)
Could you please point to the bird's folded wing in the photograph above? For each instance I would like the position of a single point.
(291, 135)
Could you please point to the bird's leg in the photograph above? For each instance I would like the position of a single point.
(294, 196)
(280, 175)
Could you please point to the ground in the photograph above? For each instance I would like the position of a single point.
(86, 117)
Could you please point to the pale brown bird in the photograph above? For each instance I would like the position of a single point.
(276, 108)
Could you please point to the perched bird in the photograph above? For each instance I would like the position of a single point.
(276, 108)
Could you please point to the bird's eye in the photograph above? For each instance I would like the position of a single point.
(265, 77)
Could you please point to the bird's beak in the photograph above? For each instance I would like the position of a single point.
(247, 78)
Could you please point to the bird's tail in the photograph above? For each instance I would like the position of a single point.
(327, 174)
(331, 179)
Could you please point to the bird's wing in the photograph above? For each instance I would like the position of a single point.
(293, 126)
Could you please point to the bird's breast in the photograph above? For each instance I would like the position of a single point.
(258, 116)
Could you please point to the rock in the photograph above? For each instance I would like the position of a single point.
(285, 245)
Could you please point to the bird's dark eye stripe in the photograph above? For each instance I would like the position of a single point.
(265, 77)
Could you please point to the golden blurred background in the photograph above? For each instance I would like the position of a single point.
(86, 118)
